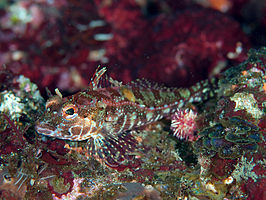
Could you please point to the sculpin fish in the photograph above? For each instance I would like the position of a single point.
(105, 115)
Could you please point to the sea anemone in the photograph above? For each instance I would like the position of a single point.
(183, 124)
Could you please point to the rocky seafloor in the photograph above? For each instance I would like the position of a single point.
(225, 161)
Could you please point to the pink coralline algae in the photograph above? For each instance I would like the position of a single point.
(194, 40)
(172, 46)
(39, 40)
(167, 47)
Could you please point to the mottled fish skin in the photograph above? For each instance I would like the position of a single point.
(103, 115)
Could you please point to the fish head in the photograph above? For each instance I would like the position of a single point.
(65, 118)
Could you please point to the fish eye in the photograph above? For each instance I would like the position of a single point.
(69, 112)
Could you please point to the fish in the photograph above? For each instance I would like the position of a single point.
(106, 113)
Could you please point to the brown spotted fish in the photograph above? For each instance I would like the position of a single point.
(105, 115)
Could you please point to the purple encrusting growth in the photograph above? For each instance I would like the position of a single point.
(105, 115)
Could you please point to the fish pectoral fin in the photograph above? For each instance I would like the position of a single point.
(114, 150)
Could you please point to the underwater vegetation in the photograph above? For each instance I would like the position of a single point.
(212, 149)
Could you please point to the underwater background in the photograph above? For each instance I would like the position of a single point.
(213, 149)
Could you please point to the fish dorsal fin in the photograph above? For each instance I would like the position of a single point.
(96, 78)
(101, 80)
(114, 83)
(147, 84)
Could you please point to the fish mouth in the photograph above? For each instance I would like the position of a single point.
(50, 131)
(45, 129)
